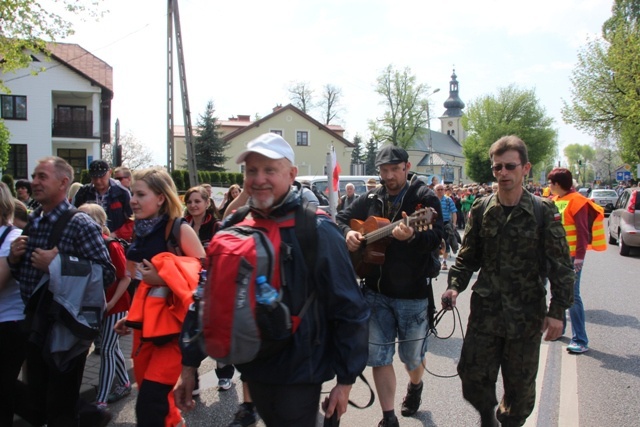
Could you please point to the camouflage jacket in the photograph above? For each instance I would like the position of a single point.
(509, 295)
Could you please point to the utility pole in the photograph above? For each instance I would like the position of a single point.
(173, 18)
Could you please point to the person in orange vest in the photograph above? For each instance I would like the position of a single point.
(156, 362)
(583, 221)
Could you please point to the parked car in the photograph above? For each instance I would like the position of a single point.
(584, 191)
(320, 182)
(605, 198)
(624, 221)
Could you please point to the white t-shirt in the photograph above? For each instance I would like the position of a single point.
(11, 305)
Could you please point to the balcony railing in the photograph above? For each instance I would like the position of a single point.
(73, 129)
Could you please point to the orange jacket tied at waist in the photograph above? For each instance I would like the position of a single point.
(159, 311)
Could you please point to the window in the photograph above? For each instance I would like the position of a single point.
(76, 157)
(302, 137)
(276, 131)
(17, 164)
(14, 107)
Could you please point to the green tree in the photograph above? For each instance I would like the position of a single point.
(209, 145)
(579, 153)
(370, 157)
(5, 137)
(406, 105)
(605, 99)
(511, 111)
(357, 156)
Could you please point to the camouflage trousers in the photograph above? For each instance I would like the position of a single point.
(483, 355)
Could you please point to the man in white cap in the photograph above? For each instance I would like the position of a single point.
(333, 340)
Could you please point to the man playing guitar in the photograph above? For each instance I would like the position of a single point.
(397, 287)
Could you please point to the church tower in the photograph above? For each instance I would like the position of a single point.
(451, 120)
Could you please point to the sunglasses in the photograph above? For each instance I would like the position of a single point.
(119, 178)
(507, 166)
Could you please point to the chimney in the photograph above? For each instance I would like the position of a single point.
(277, 107)
(244, 118)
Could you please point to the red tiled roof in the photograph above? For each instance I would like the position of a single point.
(83, 62)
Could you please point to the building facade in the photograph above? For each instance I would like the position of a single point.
(64, 110)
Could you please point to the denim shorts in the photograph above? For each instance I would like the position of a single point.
(391, 318)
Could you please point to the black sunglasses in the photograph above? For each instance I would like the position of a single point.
(119, 178)
(508, 166)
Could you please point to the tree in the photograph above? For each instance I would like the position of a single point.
(370, 157)
(301, 96)
(605, 98)
(5, 137)
(26, 27)
(607, 160)
(209, 145)
(135, 155)
(330, 102)
(357, 156)
(577, 152)
(405, 101)
(512, 111)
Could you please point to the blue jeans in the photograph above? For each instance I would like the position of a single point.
(405, 319)
(576, 314)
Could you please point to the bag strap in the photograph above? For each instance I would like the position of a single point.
(372, 396)
(173, 236)
(6, 233)
(60, 225)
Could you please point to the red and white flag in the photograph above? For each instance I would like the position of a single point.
(335, 167)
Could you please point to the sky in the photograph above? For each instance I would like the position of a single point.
(243, 55)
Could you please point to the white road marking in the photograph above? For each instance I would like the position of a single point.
(569, 415)
(532, 421)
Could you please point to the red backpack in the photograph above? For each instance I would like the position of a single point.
(235, 328)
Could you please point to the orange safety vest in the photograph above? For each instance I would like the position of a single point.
(158, 311)
(568, 206)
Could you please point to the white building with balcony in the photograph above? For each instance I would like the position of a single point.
(64, 110)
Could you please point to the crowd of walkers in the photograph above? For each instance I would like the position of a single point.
(149, 247)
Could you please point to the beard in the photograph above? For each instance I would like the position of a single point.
(264, 204)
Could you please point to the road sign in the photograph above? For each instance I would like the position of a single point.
(623, 176)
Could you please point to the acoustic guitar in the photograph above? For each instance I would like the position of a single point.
(377, 236)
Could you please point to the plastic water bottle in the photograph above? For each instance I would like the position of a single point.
(265, 294)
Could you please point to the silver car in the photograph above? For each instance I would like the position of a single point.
(624, 221)
(604, 198)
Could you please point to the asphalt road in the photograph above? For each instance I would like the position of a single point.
(598, 388)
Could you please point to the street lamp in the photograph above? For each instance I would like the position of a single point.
(429, 129)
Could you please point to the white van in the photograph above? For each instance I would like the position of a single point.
(320, 182)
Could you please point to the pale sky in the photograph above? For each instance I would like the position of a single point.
(244, 54)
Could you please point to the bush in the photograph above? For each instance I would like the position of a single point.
(177, 179)
(224, 178)
(8, 179)
(186, 180)
(239, 178)
(85, 178)
(215, 178)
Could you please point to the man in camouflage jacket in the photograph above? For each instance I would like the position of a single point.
(508, 305)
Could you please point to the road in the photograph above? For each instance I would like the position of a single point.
(595, 389)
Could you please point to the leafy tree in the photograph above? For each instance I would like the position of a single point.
(135, 154)
(26, 26)
(605, 99)
(209, 146)
(511, 111)
(577, 152)
(370, 157)
(301, 96)
(330, 102)
(8, 179)
(406, 106)
(5, 137)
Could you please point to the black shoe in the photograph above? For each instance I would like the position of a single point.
(488, 419)
(389, 422)
(244, 418)
(412, 400)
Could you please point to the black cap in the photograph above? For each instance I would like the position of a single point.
(98, 168)
(391, 154)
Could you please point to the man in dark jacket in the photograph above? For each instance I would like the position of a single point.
(108, 193)
(398, 289)
(331, 340)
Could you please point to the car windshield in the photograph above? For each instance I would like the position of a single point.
(604, 193)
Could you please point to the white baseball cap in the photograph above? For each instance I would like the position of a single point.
(270, 145)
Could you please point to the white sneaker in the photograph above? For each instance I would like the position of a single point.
(224, 384)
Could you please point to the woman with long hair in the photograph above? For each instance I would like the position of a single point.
(112, 362)
(233, 192)
(157, 365)
(13, 339)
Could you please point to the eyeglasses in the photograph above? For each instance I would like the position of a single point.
(119, 178)
(508, 166)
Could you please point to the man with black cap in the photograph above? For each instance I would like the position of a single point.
(108, 193)
(399, 289)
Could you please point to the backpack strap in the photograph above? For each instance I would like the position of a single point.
(60, 225)
(173, 236)
(6, 233)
